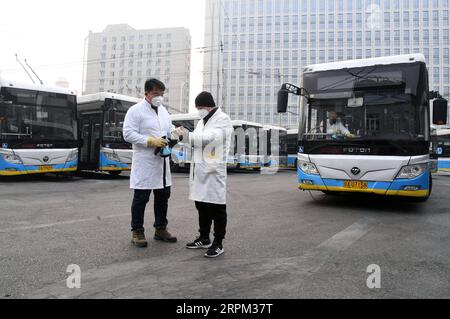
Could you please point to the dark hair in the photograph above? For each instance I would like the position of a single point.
(154, 84)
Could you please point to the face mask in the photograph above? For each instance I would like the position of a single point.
(333, 121)
(157, 101)
(203, 113)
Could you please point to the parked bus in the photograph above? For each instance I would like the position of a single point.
(365, 126)
(182, 152)
(38, 129)
(292, 148)
(443, 149)
(101, 117)
(245, 146)
(277, 153)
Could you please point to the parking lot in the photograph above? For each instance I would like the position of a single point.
(281, 242)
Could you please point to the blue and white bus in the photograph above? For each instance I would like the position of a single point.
(101, 116)
(365, 126)
(443, 149)
(245, 146)
(38, 129)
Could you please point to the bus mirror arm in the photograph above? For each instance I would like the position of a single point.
(283, 95)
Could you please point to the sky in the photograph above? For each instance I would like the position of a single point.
(50, 34)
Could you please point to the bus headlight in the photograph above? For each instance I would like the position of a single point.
(11, 158)
(73, 156)
(412, 171)
(308, 168)
(112, 157)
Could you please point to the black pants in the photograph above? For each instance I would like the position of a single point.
(140, 200)
(208, 213)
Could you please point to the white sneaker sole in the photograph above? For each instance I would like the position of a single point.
(199, 247)
(215, 256)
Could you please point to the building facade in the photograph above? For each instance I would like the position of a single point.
(121, 58)
(264, 43)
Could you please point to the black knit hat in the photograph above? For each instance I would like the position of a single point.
(205, 99)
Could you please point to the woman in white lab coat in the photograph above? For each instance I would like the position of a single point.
(148, 127)
(211, 140)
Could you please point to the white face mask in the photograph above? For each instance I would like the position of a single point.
(157, 101)
(203, 113)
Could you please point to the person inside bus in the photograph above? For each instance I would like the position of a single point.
(211, 140)
(335, 127)
(147, 126)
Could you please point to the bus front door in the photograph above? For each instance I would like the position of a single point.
(90, 150)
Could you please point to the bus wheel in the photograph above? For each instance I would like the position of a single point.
(115, 173)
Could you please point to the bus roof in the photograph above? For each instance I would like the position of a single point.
(35, 87)
(102, 96)
(271, 127)
(441, 132)
(293, 131)
(184, 117)
(396, 59)
(241, 123)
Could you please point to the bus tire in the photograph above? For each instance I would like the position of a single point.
(115, 173)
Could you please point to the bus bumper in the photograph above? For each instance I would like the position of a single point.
(8, 169)
(417, 187)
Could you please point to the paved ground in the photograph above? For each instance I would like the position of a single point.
(281, 242)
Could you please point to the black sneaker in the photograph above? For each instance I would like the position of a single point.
(199, 243)
(214, 251)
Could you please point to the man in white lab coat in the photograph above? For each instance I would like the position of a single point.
(148, 127)
(211, 140)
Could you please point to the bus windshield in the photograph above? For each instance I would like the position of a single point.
(33, 115)
(115, 111)
(369, 103)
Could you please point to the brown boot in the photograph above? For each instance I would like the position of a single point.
(162, 234)
(138, 238)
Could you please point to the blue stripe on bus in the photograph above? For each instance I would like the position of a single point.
(423, 181)
(104, 162)
(444, 164)
(21, 168)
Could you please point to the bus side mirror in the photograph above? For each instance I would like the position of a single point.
(282, 104)
(440, 109)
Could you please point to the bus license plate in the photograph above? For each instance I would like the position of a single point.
(356, 185)
(45, 168)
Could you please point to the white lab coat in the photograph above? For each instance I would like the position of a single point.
(147, 168)
(208, 175)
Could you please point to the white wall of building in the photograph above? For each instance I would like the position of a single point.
(120, 59)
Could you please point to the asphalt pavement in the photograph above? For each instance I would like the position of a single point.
(281, 242)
